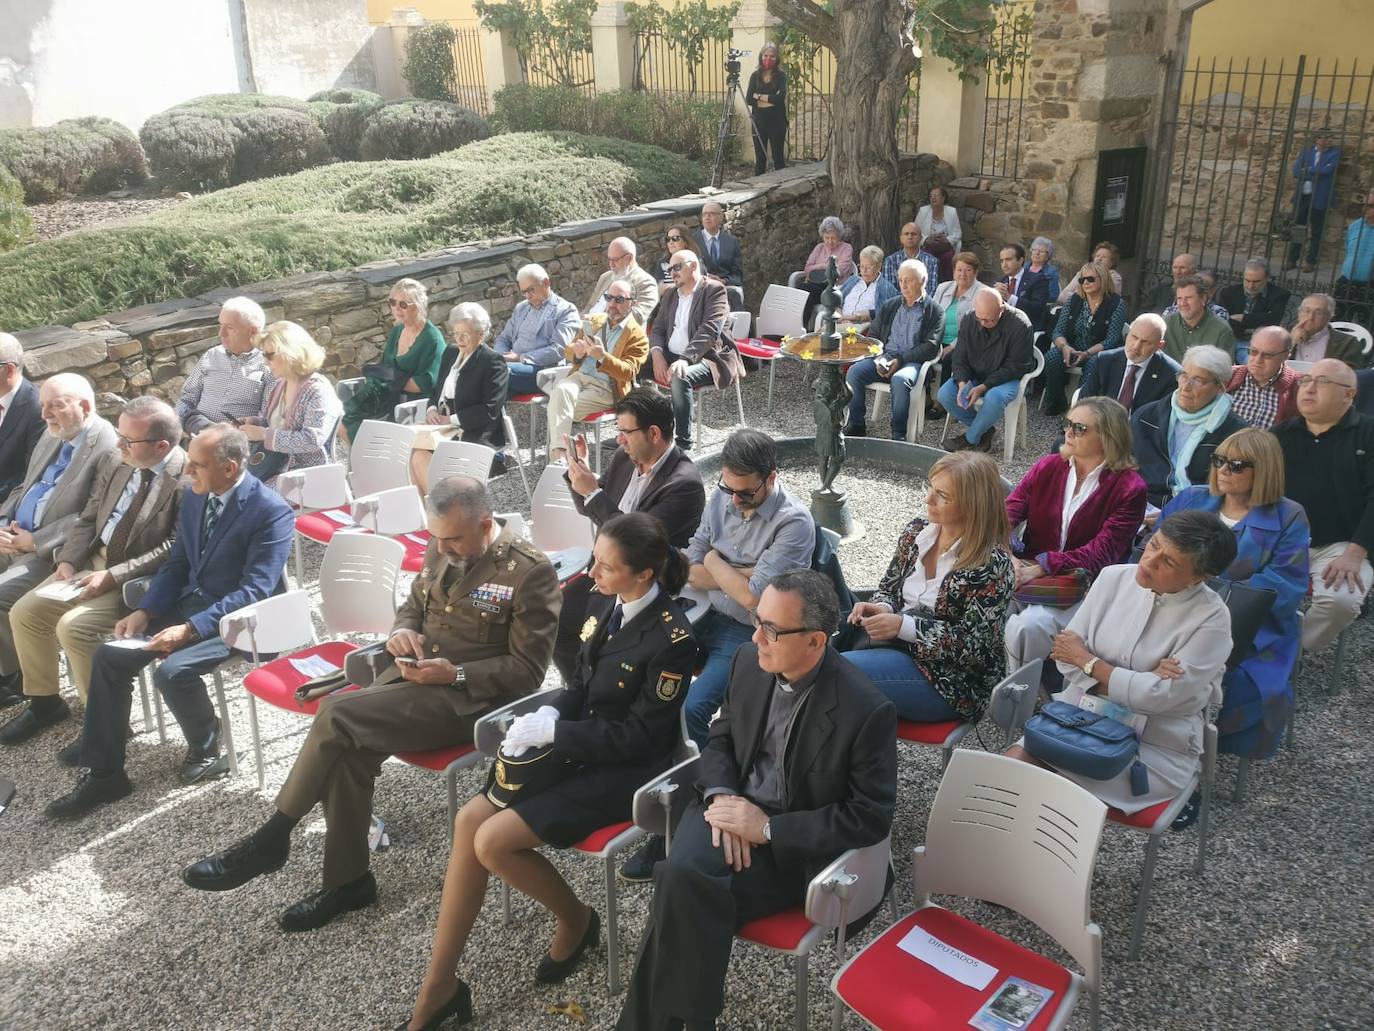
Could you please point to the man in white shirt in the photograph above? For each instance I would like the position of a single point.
(622, 259)
(720, 252)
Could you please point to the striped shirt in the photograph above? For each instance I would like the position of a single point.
(894, 261)
(223, 386)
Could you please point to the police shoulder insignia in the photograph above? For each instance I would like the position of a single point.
(588, 628)
(677, 634)
(668, 685)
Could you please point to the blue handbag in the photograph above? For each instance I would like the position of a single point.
(1085, 742)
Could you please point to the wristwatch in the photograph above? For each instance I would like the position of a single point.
(768, 831)
(1088, 666)
(460, 677)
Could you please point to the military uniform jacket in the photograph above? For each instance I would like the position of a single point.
(627, 689)
(498, 620)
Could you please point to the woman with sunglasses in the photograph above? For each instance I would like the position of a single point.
(677, 238)
(409, 365)
(615, 727)
(1092, 321)
(936, 621)
(1245, 489)
(1078, 511)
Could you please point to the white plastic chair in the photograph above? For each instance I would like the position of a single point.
(461, 458)
(318, 488)
(388, 512)
(1364, 336)
(927, 384)
(594, 421)
(710, 389)
(513, 452)
(1015, 416)
(555, 522)
(1011, 834)
(346, 388)
(411, 413)
(780, 315)
(1299, 367)
(380, 457)
(737, 325)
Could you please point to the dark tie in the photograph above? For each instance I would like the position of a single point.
(617, 617)
(212, 510)
(1016, 285)
(117, 550)
(715, 252)
(1127, 394)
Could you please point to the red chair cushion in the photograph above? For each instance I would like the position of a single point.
(525, 399)
(892, 989)
(597, 840)
(438, 761)
(927, 733)
(275, 682)
(319, 527)
(594, 416)
(414, 559)
(783, 930)
(753, 347)
(1145, 819)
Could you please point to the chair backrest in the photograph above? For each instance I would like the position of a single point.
(1019, 836)
(380, 457)
(648, 810)
(394, 511)
(1249, 608)
(832, 899)
(555, 522)
(361, 570)
(316, 487)
(410, 413)
(737, 325)
(1035, 372)
(781, 311)
(1010, 708)
(1364, 336)
(276, 624)
(515, 523)
(461, 458)
(346, 388)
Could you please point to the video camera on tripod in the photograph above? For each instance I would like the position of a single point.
(732, 65)
(726, 131)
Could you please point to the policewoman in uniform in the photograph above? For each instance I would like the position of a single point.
(572, 767)
(475, 633)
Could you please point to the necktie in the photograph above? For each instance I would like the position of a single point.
(617, 617)
(26, 515)
(117, 550)
(715, 252)
(1127, 394)
(212, 510)
(1016, 285)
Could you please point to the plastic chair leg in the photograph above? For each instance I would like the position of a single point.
(1338, 663)
(227, 726)
(1242, 779)
(772, 368)
(300, 562)
(157, 706)
(147, 705)
(505, 903)
(739, 403)
(257, 740)
(451, 782)
(1142, 905)
(596, 450)
(803, 969)
(612, 930)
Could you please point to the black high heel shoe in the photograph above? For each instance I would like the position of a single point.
(552, 971)
(459, 1005)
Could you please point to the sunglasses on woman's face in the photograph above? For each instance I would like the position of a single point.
(1087, 279)
(1078, 429)
(1235, 466)
(674, 239)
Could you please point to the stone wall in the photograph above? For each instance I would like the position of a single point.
(151, 349)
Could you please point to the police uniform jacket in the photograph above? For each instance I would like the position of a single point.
(497, 620)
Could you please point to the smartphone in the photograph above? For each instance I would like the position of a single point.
(588, 330)
(580, 445)
(406, 660)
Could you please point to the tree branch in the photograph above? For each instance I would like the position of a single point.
(811, 18)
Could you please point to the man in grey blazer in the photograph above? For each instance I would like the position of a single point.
(622, 257)
(38, 515)
(124, 531)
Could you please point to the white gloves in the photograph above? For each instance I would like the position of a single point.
(533, 730)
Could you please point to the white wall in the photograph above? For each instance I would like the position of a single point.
(302, 46)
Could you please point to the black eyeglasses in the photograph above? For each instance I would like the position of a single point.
(1322, 381)
(126, 442)
(771, 633)
(743, 495)
(615, 299)
(673, 239)
(1231, 465)
(396, 303)
(679, 266)
(1087, 279)
(621, 431)
(1078, 429)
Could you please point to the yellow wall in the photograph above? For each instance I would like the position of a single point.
(379, 11)
(1279, 29)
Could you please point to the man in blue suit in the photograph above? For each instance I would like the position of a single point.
(1314, 182)
(232, 540)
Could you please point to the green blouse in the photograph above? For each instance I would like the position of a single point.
(420, 363)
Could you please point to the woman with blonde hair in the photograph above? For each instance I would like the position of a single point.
(1245, 489)
(409, 365)
(300, 414)
(1079, 510)
(1090, 323)
(935, 623)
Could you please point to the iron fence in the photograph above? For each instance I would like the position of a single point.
(663, 68)
(469, 84)
(548, 66)
(1005, 102)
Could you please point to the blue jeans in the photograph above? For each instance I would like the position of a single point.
(903, 381)
(685, 401)
(977, 421)
(719, 637)
(894, 673)
(522, 379)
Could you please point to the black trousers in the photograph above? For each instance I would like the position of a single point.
(772, 134)
(699, 902)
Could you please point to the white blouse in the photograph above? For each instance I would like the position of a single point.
(920, 591)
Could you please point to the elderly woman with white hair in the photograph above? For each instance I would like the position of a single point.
(409, 364)
(469, 399)
(300, 413)
(865, 291)
(538, 331)
(1176, 436)
(1041, 262)
(832, 245)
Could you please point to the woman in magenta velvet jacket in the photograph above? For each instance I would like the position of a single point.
(1081, 509)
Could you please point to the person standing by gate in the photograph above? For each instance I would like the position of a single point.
(1314, 178)
(767, 100)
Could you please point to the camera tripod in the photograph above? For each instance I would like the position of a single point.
(726, 131)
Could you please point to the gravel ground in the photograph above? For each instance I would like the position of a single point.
(66, 216)
(99, 931)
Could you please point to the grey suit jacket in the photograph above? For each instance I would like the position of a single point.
(73, 487)
(154, 528)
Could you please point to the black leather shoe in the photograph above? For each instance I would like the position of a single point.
(235, 866)
(11, 690)
(317, 909)
(459, 1005)
(552, 971)
(640, 866)
(32, 720)
(203, 761)
(91, 792)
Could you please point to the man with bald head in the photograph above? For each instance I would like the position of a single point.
(1136, 374)
(911, 250)
(720, 252)
(21, 424)
(1328, 453)
(622, 261)
(38, 514)
(992, 352)
(1264, 391)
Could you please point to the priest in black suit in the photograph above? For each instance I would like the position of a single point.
(21, 424)
(801, 765)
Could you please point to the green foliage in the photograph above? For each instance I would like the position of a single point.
(680, 124)
(15, 224)
(429, 62)
(688, 27)
(217, 140)
(420, 128)
(547, 41)
(342, 114)
(79, 155)
(336, 217)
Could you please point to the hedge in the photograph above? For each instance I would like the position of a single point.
(221, 139)
(342, 114)
(15, 224)
(334, 218)
(410, 129)
(79, 155)
(682, 125)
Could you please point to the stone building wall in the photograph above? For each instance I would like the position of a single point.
(151, 349)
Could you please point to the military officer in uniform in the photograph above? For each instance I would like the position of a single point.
(587, 752)
(476, 632)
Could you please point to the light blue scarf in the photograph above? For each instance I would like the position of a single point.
(1198, 425)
